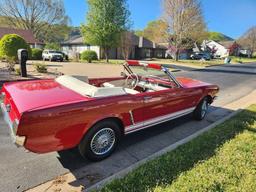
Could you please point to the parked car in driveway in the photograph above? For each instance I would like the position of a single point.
(94, 114)
(199, 56)
(52, 55)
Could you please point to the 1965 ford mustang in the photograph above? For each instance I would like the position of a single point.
(62, 113)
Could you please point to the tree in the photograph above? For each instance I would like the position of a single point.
(126, 44)
(106, 20)
(185, 23)
(248, 40)
(36, 15)
(155, 31)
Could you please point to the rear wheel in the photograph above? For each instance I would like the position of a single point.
(101, 141)
(201, 110)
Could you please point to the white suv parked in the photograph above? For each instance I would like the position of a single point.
(52, 55)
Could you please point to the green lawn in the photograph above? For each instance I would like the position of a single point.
(242, 59)
(222, 159)
(196, 63)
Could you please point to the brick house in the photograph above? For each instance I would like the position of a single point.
(142, 48)
(27, 35)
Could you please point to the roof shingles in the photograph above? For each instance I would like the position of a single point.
(27, 35)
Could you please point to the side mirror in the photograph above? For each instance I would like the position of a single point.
(123, 74)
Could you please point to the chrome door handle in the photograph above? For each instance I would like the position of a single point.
(148, 97)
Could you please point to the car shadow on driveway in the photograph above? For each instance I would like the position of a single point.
(134, 147)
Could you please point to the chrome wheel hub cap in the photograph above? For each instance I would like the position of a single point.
(103, 141)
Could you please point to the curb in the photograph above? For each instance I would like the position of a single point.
(125, 171)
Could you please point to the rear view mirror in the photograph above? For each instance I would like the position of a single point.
(123, 74)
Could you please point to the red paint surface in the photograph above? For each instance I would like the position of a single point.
(54, 118)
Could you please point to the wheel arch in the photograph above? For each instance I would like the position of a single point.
(115, 119)
(209, 98)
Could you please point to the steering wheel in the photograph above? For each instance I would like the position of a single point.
(132, 80)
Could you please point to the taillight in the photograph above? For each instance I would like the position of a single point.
(2, 95)
(15, 125)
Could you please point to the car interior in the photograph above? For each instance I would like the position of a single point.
(131, 83)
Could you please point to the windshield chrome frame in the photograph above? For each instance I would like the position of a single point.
(164, 69)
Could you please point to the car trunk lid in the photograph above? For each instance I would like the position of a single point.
(30, 95)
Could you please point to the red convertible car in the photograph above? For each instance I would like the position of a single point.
(62, 113)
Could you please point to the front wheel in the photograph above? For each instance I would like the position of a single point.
(101, 141)
(201, 110)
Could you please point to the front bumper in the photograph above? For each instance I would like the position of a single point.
(18, 140)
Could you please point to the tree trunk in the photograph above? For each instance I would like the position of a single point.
(106, 54)
(177, 55)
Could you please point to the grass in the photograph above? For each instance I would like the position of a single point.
(242, 59)
(196, 63)
(222, 159)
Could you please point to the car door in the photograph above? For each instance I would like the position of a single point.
(163, 105)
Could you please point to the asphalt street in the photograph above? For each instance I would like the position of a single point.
(21, 170)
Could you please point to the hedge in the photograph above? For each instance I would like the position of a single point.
(36, 54)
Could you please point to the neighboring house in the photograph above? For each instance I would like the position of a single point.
(183, 53)
(27, 35)
(221, 49)
(75, 46)
(141, 48)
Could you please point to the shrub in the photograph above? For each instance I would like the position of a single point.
(9, 45)
(18, 71)
(41, 68)
(36, 54)
(89, 56)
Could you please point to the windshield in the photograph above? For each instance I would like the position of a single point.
(55, 52)
(148, 72)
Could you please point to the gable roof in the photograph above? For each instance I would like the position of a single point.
(75, 40)
(26, 34)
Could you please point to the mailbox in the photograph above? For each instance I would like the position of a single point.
(23, 57)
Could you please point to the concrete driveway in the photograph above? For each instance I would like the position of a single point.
(21, 170)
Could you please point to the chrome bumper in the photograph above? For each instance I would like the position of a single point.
(19, 141)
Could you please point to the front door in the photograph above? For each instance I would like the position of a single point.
(165, 105)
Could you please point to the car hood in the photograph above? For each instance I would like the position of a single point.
(189, 83)
(39, 94)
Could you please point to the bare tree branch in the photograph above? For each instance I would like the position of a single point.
(185, 22)
(36, 15)
(248, 40)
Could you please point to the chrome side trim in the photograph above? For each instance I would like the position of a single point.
(157, 120)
